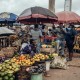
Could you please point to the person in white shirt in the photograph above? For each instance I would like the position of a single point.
(36, 34)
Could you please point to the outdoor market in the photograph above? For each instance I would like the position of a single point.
(37, 42)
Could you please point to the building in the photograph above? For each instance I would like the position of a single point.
(68, 5)
(52, 5)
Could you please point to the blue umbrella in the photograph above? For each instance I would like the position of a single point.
(5, 16)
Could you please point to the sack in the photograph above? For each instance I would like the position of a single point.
(58, 62)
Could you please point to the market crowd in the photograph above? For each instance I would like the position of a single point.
(32, 37)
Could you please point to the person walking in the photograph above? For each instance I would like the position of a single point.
(70, 37)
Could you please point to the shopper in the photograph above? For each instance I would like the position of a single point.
(70, 35)
(60, 40)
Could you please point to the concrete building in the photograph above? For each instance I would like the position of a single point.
(68, 5)
(52, 5)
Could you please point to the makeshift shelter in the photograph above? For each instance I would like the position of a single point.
(7, 19)
(4, 36)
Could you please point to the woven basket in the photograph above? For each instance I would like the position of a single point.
(48, 50)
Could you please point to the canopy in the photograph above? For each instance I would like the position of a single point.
(6, 16)
(36, 15)
(68, 16)
(5, 31)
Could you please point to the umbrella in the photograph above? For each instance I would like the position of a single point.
(5, 31)
(6, 16)
(68, 16)
(37, 15)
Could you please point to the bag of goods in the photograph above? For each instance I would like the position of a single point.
(59, 62)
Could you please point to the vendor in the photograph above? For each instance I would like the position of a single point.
(28, 48)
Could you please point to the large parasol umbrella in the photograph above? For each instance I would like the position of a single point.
(68, 16)
(37, 15)
(6, 16)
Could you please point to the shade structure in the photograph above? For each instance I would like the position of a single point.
(68, 16)
(5, 31)
(6, 16)
(37, 15)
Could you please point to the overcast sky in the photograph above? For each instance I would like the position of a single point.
(17, 6)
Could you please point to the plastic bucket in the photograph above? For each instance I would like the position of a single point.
(37, 76)
(47, 65)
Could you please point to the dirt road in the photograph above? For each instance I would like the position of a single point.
(73, 73)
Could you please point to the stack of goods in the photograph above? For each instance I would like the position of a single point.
(7, 68)
(4, 76)
(40, 57)
(77, 45)
(8, 52)
(24, 60)
(47, 48)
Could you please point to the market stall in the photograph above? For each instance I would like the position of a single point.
(7, 19)
(77, 44)
(4, 36)
(20, 66)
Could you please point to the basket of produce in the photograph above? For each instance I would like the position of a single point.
(8, 52)
(47, 50)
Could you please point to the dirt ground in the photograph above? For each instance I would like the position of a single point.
(73, 73)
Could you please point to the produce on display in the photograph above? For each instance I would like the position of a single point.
(46, 46)
(9, 66)
(40, 57)
(77, 44)
(8, 51)
(23, 60)
(8, 76)
(53, 43)
(52, 55)
(13, 65)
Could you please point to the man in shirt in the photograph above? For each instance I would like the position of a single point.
(60, 39)
(36, 34)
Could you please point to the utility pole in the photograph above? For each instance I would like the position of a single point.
(68, 5)
(52, 5)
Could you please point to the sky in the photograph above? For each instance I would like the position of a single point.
(17, 6)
